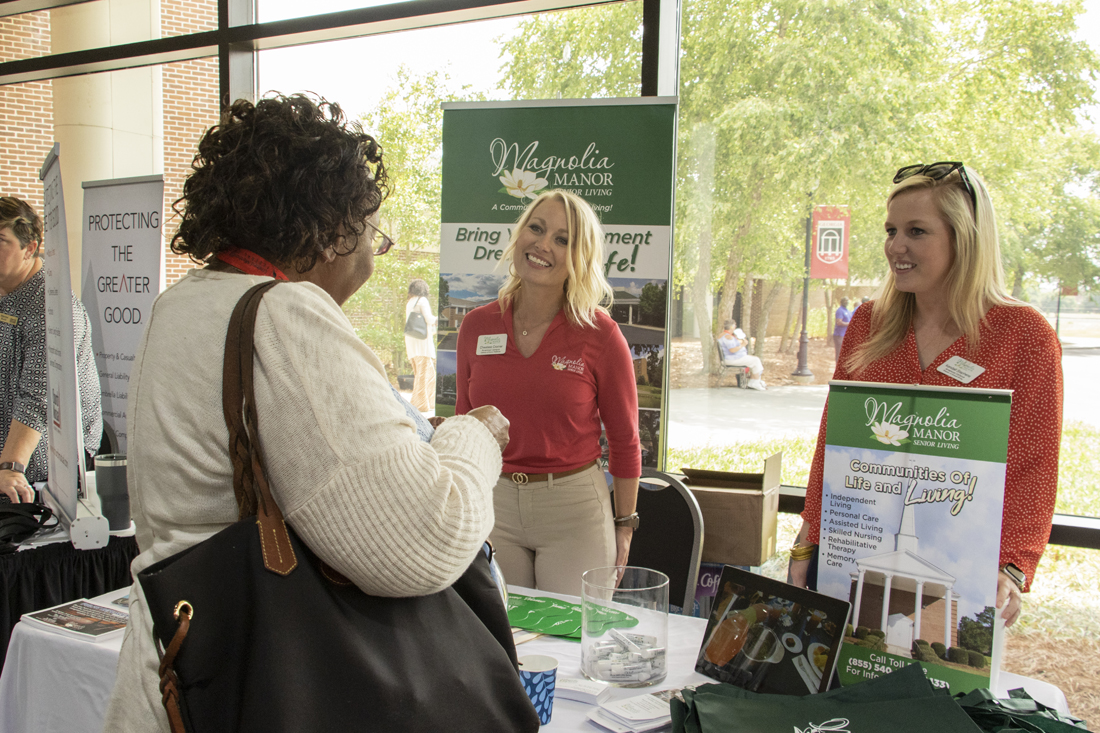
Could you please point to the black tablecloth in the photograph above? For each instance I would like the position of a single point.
(58, 573)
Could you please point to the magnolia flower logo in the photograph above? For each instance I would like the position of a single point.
(523, 184)
(839, 725)
(558, 365)
(889, 433)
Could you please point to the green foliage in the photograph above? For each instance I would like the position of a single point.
(975, 659)
(976, 634)
(848, 630)
(939, 649)
(922, 652)
(651, 305)
(749, 457)
(862, 632)
(958, 655)
(877, 632)
(445, 389)
(787, 103)
(927, 655)
(444, 294)
(577, 54)
(408, 123)
(1079, 470)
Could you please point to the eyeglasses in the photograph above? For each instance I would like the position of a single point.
(387, 243)
(938, 171)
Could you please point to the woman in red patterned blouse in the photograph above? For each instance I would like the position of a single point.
(945, 297)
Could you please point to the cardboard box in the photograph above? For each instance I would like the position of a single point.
(740, 512)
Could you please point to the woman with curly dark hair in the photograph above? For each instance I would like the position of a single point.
(288, 189)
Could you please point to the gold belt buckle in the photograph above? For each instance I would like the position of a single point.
(519, 478)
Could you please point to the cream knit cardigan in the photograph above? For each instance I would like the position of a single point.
(396, 515)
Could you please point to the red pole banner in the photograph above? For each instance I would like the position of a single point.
(829, 242)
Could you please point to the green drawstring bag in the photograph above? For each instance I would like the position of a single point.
(1020, 712)
(904, 700)
(719, 714)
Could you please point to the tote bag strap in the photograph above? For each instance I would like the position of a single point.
(239, 406)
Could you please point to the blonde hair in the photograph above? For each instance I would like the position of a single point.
(586, 287)
(974, 283)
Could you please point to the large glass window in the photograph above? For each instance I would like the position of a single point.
(101, 23)
(147, 121)
(785, 105)
(395, 84)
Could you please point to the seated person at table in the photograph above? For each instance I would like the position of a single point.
(734, 345)
(24, 405)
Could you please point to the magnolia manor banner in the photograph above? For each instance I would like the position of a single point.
(618, 154)
(911, 527)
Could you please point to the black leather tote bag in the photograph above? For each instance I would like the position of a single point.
(260, 635)
(19, 521)
(416, 325)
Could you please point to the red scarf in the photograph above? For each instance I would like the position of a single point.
(248, 261)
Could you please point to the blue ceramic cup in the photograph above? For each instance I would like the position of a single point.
(539, 674)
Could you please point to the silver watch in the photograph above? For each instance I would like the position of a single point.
(630, 520)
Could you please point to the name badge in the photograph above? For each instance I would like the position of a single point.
(960, 369)
(8, 318)
(492, 344)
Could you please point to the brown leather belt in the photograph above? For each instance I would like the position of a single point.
(528, 478)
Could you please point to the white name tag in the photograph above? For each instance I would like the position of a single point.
(959, 368)
(491, 344)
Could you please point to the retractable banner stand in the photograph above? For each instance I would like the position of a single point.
(66, 482)
(123, 270)
(911, 527)
(619, 155)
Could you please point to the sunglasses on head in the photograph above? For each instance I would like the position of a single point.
(938, 171)
(387, 243)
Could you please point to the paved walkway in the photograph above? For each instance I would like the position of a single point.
(1081, 380)
(729, 415)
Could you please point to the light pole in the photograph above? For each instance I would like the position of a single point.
(802, 374)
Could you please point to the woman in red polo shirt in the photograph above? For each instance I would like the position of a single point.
(945, 297)
(548, 355)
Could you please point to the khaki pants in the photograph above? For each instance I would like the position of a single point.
(423, 396)
(549, 533)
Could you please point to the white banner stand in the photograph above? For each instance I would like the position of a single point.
(67, 483)
(122, 261)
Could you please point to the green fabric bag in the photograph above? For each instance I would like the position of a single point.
(714, 708)
(719, 714)
(1018, 713)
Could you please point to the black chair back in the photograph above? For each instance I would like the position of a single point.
(670, 536)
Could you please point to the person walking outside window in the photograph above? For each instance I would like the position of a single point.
(421, 351)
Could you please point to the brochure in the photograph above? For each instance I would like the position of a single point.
(767, 636)
(591, 692)
(81, 620)
(635, 714)
(911, 527)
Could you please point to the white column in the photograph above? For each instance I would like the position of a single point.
(916, 619)
(668, 58)
(859, 599)
(947, 617)
(886, 601)
(110, 125)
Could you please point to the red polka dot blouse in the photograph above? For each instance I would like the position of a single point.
(1019, 351)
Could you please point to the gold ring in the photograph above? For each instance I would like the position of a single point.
(519, 478)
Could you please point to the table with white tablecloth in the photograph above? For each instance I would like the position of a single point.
(56, 684)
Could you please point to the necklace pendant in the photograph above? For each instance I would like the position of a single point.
(524, 333)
